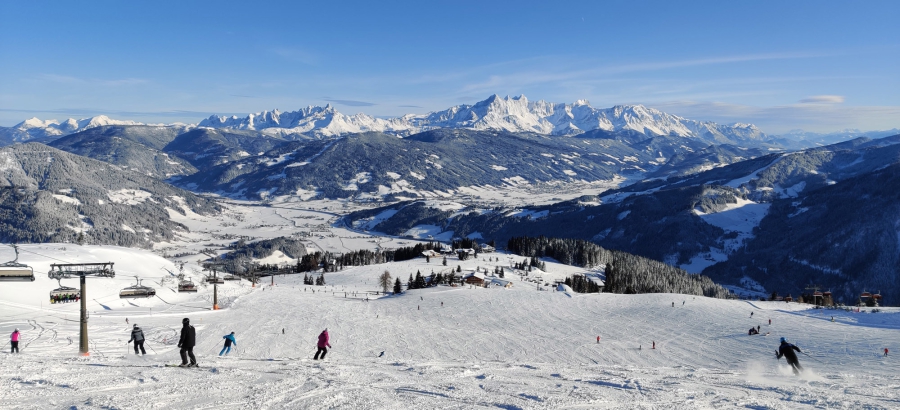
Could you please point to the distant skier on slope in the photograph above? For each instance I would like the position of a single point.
(787, 350)
(323, 343)
(137, 335)
(14, 341)
(187, 342)
(229, 339)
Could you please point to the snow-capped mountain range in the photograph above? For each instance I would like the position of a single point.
(513, 114)
(34, 128)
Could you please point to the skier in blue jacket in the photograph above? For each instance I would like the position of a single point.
(229, 339)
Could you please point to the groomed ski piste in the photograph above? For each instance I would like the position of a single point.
(511, 348)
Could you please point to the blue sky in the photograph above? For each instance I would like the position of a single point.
(816, 65)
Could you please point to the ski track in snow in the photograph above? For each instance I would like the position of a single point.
(511, 348)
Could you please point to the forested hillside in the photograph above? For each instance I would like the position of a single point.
(49, 195)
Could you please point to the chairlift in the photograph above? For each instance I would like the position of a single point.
(232, 277)
(64, 294)
(13, 271)
(187, 286)
(215, 279)
(137, 291)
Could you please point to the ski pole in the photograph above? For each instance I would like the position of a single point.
(151, 348)
(811, 357)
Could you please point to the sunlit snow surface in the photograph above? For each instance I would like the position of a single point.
(491, 348)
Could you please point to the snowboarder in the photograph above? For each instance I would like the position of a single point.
(753, 331)
(787, 350)
(229, 339)
(14, 341)
(137, 335)
(187, 342)
(323, 343)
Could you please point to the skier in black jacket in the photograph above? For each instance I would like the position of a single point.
(187, 342)
(137, 335)
(787, 350)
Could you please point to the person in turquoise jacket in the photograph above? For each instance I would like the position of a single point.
(229, 340)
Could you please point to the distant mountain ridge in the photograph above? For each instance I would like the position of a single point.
(509, 114)
(37, 129)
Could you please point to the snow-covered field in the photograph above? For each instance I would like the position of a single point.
(445, 347)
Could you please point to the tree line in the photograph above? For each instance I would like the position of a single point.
(625, 272)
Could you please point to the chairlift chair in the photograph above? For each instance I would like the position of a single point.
(232, 277)
(137, 291)
(63, 291)
(13, 271)
(187, 286)
(215, 279)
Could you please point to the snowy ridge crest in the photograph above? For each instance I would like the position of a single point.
(512, 114)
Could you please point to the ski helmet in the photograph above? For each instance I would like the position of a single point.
(783, 340)
(135, 325)
(185, 320)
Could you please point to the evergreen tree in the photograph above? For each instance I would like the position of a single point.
(398, 287)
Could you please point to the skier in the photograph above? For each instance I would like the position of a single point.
(137, 335)
(770, 322)
(787, 350)
(229, 339)
(187, 342)
(885, 351)
(323, 343)
(757, 329)
(751, 314)
(14, 341)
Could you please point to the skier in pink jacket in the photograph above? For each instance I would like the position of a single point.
(14, 341)
(323, 343)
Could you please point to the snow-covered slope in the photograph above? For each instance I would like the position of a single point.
(513, 114)
(442, 347)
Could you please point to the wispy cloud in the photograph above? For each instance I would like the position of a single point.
(71, 80)
(352, 103)
(823, 99)
(530, 77)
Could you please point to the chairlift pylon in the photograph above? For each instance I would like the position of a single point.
(137, 291)
(13, 271)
